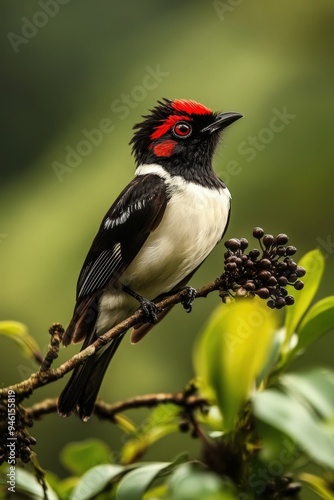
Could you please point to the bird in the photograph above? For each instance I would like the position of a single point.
(156, 234)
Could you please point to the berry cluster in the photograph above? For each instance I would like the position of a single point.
(21, 449)
(264, 272)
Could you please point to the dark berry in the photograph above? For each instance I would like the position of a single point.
(292, 265)
(265, 263)
(233, 244)
(290, 250)
(263, 293)
(230, 266)
(249, 286)
(280, 302)
(271, 304)
(282, 280)
(254, 254)
(264, 275)
(282, 266)
(272, 281)
(299, 285)
(243, 243)
(282, 239)
(184, 426)
(292, 489)
(268, 240)
(300, 271)
(258, 232)
(280, 251)
(289, 300)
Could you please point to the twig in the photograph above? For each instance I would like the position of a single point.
(108, 411)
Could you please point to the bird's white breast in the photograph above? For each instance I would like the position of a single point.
(192, 225)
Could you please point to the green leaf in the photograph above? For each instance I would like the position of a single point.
(134, 484)
(273, 355)
(189, 481)
(296, 421)
(317, 321)
(275, 447)
(163, 414)
(81, 456)
(232, 351)
(18, 332)
(318, 485)
(315, 387)
(161, 421)
(26, 482)
(62, 487)
(135, 447)
(314, 263)
(95, 480)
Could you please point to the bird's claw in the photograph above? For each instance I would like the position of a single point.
(189, 297)
(150, 311)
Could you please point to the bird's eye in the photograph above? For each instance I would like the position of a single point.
(182, 129)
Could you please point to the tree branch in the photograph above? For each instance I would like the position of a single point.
(108, 411)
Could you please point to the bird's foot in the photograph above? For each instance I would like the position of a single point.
(149, 308)
(189, 297)
(150, 311)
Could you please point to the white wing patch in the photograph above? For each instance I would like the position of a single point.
(110, 223)
(94, 275)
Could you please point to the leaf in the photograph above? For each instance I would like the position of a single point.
(317, 321)
(233, 350)
(189, 481)
(18, 332)
(161, 421)
(314, 263)
(135, 447)
(318, 485)
(315, 387)
(134, 484)
(291, 417)
(25, 482)
(276, 448)
(95, 480)
(62, 487)
(81, 456)
(165, 413)
(273, 355)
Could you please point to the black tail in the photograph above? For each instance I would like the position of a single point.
(81, 390)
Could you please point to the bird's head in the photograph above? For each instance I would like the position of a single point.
(180, 135)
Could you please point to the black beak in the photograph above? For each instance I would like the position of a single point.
(222, 121)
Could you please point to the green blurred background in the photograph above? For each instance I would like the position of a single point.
(76, 68)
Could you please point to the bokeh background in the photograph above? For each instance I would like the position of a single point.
(66, 68)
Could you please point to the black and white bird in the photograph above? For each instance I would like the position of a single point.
(154, 237)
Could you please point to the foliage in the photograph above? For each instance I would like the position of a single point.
(260, 424)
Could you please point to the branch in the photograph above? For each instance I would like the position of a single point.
(108, 411)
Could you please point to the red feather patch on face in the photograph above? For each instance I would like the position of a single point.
(165, 148)
(190, 107)
(167, 125)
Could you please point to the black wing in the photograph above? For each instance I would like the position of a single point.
(134, 215)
